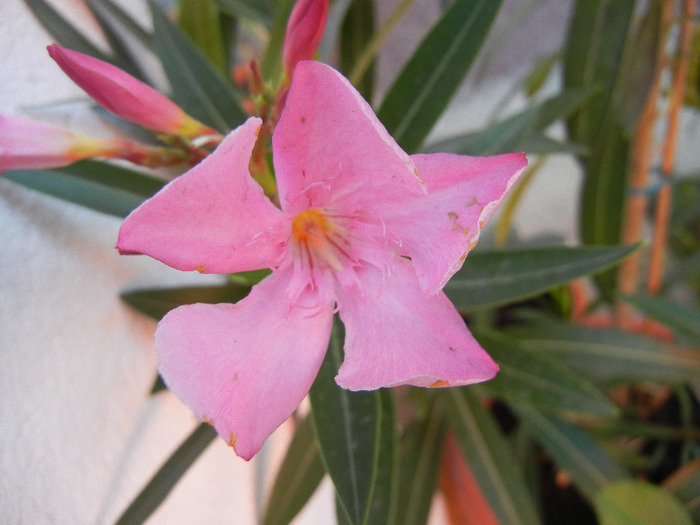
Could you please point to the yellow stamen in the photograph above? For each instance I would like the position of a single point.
(320, 237)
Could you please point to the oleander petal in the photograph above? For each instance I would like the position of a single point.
(243, 367)
(215, 218)
(399, 336)
(438, 230)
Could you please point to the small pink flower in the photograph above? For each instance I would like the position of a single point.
(125, 96)
(364, 229)
(304, 31)
(28, 144)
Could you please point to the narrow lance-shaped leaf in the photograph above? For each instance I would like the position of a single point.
(160, 485)
(349, 426)
(197, 86)
(426, 84)
(298, 477)
(683, 320)
(420, 450)
(199, 19)
(515, 133)
(598, 37)
(66, 34)
(500, 277)
(129, 41)
(356, 32)
(589, 465)
(103, 187)
(489, 456)
(609, 355)
(382, 506)
(271, 64)
(258, 10)
(541, 381)
(157, 302)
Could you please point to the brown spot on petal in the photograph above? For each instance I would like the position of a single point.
(207, 420)
(466, 231)
(415, 171)
(452, 215)
(232, 439)
(201, 269)
(439, 383)
(462, 257)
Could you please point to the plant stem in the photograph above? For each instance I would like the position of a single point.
(663, 207)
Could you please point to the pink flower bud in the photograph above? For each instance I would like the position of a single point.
(27, 144)
(125, 96)
(304, 31)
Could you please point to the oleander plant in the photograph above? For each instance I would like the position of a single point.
(525, 382)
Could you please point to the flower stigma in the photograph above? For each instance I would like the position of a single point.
(319, 238)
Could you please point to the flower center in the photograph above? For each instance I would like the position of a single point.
(320, 239)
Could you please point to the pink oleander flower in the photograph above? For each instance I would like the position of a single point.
(125, 96)
(304, 31)
(28, 144)
(363, 229)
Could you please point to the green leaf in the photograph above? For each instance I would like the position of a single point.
(271, 65)
(494, 278)
(199, 19)
(637, 502)
(540, 72)
(596, 43)
(64, 32)
(126, 37)
(502, 137)
(685, 484)
(420, 452)
(588, 464)
(160, 485)
(157, 302)
(258, 10)
(357, 30)
(604, 192)
(538, 380)
(598, 40)
(609, 355)
(516, 133)
(197, 86)
(683, 320)
(107, 188)
(426, 84)
(638, 66)
(540, 144)
(382, 506)
(298, 477)
(351, 428)
(490, 457)
(116, 16)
